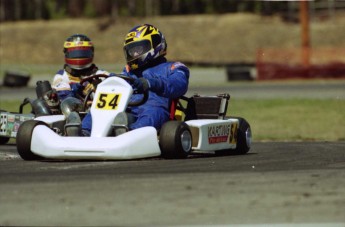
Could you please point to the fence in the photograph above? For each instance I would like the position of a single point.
(287, 63)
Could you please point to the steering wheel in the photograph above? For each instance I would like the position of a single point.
(130, 80)
(90, 79)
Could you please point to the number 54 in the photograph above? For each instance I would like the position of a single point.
(108, 101)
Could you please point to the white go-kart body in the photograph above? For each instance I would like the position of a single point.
(39, 138)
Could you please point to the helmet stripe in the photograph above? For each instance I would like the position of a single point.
(148, 31)
(77, 44)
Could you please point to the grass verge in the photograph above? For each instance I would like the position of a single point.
(280, 119)
(293, 119)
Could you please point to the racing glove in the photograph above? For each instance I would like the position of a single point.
(89, 87)
(141, 85)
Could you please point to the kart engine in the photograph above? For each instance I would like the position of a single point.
(47, 101)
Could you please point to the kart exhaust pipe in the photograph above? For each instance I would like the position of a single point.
(40, 107)
(42, 87)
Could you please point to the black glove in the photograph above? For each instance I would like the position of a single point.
(141, 85)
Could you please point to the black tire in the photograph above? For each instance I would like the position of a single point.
(4, 140)
(16, 79)
(243, 143)
(175, 140)
(244, 137)
(23, 140)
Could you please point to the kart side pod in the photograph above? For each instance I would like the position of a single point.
(211, 129)
(211, 135)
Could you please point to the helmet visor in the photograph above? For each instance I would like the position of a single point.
(79, 52)
(136, 49)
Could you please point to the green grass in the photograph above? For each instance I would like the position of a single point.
(280, 119)
(13, 106)
(293, 119)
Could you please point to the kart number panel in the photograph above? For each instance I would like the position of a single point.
(108, 101)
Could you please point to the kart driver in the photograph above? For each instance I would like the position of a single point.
(79, 53)
(144, 49)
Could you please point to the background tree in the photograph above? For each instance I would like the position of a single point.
(75, 8)
(13, 10)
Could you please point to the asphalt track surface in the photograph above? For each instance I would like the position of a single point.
(295, 183)
(276, 183)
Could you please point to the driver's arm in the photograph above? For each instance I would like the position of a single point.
(174, 85)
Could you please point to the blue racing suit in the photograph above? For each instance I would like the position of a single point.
(67, 84)
(167, 81)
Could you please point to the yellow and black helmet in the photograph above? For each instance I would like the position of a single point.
(143, 43)
(79, 51)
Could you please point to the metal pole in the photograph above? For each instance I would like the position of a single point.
(304, 18)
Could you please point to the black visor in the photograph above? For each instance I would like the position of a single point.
(79, 53)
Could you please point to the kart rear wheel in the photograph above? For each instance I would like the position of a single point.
(244, 139)
(23, 140)
(175, 140)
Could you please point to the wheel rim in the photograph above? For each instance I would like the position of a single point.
(186, 140)
(248, 137)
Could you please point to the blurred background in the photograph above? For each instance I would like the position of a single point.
(249, 39)
(282, 62)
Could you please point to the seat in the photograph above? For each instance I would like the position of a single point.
(199, 107)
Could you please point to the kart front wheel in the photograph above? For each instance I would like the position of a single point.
(175, 140)
(23, 139)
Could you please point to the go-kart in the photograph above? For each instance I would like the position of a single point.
(10, 122)
(198, 126)
(46, 103)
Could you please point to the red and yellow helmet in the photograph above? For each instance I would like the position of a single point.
(143, 43)
(79, 51)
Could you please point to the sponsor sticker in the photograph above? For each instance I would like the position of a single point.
(11, 118)
(3, 124)
(233, 135)
(218, 133)
(176, 65)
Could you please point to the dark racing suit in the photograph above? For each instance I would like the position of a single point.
(67, 84)
(67, 81)
(167, 81)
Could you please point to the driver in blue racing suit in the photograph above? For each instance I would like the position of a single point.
(145, 48)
